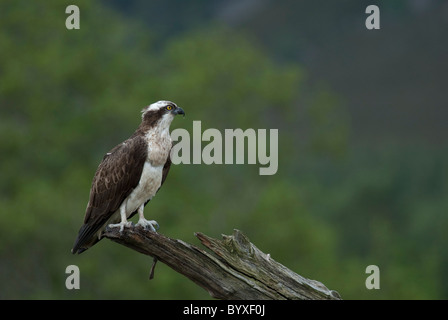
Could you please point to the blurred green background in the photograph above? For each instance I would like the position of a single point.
(362, 118)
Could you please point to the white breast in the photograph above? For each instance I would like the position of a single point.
(146, 189)
(159, 145)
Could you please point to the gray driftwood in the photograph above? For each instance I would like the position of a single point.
(233, 268)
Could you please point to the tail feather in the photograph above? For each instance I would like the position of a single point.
(85, 239)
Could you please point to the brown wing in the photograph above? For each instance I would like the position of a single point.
(117, 175)
(166, 169)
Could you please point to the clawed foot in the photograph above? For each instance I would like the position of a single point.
(126, 224)
(148, 224)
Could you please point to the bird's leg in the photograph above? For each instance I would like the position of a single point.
(151, 224)
(124, 221)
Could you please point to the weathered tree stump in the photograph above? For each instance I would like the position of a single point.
(233, 269)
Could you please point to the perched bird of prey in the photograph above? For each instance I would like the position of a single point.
(129, 176)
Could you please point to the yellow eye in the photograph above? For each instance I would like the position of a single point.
(169, 108)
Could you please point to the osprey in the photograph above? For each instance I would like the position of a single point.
(129, 176)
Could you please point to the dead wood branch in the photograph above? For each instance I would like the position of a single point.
(234, 268)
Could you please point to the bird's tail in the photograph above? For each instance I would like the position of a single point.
(85, 239)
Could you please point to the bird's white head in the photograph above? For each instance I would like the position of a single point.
(160, 113)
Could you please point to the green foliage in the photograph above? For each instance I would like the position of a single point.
(67, 97)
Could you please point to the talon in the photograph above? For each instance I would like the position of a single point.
(151, 224)
(127, 224)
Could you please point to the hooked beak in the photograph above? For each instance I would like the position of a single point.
(178, 110)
